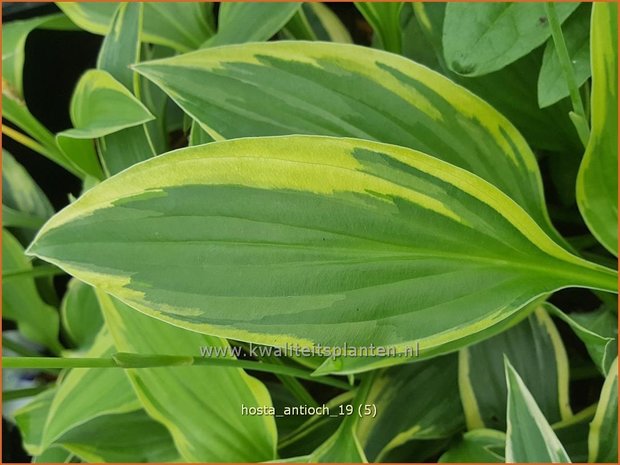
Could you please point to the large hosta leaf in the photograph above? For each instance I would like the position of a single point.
(311, 240)
(350, 91)
(597, 182)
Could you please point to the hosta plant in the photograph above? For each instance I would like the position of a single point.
(288, 246)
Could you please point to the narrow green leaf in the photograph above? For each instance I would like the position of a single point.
(31, 419)
(298, 27)
(385, 21)
(131, 437)
(219, 433)
(14, 36)
(198, 136)
(419, 400)
(343, 446)
(597, 330)
(241, 22)
(120, 49)
(15, 110)
(552, 85)
(55, 454)
(19, 190)
(597, 182)
(22, 195)
(100, 106)
(81, 315)
(334, 240)
(477, 446)
(603, 437)
(536, 350)
(14, 219)
(484, 37)
(253, 90)
(182, 26)
(21, 302)
(512, 90)
(325, 23)
(529, 437)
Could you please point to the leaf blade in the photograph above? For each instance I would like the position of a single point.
(388, 246)
(597, 180)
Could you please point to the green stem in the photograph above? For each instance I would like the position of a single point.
(57, 362)
(36, 272)
(26, 141)
(579, 117)
(22, 393)
(125, 360)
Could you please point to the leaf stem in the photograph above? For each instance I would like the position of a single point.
(578, 116)
(25, 141)
(126, 360)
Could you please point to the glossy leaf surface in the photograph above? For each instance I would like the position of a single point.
(254, 91)
(335, 240)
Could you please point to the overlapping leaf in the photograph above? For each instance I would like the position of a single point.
(334, 240)
(414, 401)
(552, 84)
(535, 349)
(253, 90)
(79, 398)
(120, 49)
(24, 198)
(484, 37)
(477, 446)
(205, 418)
(100, 106)
(529, 437)
(248, 22)
(385, 21)
(81, 315)
(21, 302)
(603, 437)
(597, 182)
(180, 25)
